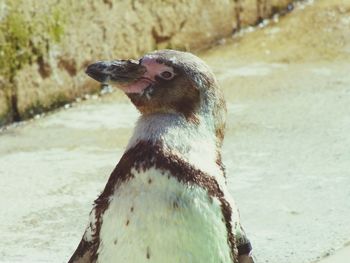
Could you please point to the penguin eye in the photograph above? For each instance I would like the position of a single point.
(166, 75)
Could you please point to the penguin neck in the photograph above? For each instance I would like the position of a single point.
(193, 142)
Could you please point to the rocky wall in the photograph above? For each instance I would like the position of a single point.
(45, 45)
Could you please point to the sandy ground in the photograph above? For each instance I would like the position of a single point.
(340, 256)
(286, 149)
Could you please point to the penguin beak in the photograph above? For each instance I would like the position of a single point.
(116, 71)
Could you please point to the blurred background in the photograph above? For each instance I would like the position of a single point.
(284, 68)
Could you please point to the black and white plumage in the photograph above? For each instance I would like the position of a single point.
(166, 200)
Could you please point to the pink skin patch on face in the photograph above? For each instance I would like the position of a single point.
(138, 86)
(153, 69)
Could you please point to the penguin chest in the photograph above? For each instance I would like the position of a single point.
(155, 218)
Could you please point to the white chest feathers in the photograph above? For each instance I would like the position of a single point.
(195, 143)
(155, 218)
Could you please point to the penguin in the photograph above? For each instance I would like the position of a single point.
(167, 198)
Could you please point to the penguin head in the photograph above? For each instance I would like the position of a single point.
(167, 81)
